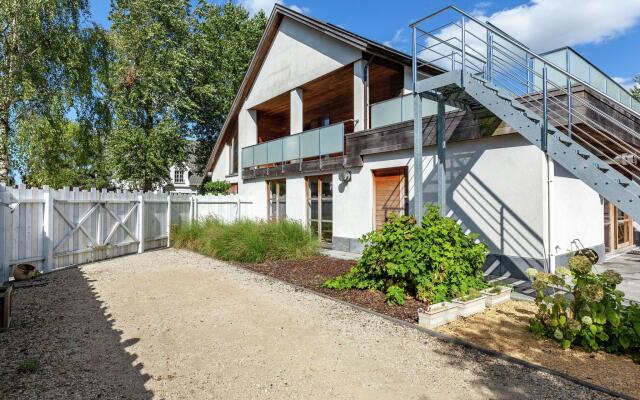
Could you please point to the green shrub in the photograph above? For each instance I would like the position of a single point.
(215, 187)
(246, 241)
(433, 262)
(594, 318)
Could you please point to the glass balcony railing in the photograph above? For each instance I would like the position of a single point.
(575, 64)
(400, 109)
(312, 143)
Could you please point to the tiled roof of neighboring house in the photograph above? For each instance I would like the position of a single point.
(194, 179)
(334, 31)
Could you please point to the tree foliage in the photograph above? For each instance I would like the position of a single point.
(215, 187)
(41, 47)
(224, 40)
(635, 92)
(59, 153)
(149, 38)
(125, 97)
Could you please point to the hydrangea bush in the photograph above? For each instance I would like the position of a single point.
(593, 317)
(433, 262)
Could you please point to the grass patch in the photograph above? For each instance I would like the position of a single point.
(29, 365)
(246, 241)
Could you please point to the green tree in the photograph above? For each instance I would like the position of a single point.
(635, 92)
(59, 153)
(224, 40)
(149, 39)
(39, 46)
(49, 148)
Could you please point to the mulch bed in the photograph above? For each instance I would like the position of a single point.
(312, 272)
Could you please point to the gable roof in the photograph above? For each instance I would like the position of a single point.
(278, 13)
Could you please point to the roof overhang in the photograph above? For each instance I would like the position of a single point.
(273, 24)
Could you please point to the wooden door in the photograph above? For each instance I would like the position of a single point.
(618, 228)
(390, 194)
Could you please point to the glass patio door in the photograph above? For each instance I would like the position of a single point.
(277, 199)
(320, 206)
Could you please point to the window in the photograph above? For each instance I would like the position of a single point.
(277, 199)
(320, 206)
(233, 155)
(178, 175)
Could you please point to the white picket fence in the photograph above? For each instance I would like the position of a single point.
(54, 229)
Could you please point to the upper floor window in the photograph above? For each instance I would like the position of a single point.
(178, 175)
(233, 155)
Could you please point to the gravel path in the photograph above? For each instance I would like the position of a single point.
(175, 325)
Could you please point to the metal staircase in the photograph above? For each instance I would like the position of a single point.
(551, 108)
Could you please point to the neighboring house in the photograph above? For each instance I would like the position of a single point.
(184, 179)
(321, 131)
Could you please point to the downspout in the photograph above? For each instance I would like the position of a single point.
(551, 259)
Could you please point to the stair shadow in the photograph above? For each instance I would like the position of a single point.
(62, 345)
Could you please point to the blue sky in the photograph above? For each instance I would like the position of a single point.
(606, 32)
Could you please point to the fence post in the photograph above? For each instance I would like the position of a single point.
(238, 208)
(168, 219)
(48, 229)
(4, 234)
(195, 208)
(190, 209)
(140, 223)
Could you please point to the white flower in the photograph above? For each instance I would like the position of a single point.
(531, 272)
(587, 320)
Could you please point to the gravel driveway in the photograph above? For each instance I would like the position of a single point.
(175, 325)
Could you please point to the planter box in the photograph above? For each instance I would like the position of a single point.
(493, 299)
(468, 308)
(437, 314)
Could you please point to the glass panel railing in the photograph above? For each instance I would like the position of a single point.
(310, 143)
(313, 143)
(260, 154)
(400, 109)
(247, 157)
(589, 73)
(332, 139)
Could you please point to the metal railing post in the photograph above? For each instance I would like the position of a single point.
(417, 137)
(545, 111)
(489, 65)
(569, 115)
(464, 51)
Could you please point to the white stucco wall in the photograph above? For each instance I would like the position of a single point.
(577, 213)
(221, 168)
(298, 54)
(255, 192)
(494, 188)
(297, 199)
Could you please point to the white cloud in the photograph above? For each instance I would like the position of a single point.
(253, 6)
(547, 24)
(398, 39)
(627, 82)
(302, 10)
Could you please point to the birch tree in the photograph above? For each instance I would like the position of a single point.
(39, 40)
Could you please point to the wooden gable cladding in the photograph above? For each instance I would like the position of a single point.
(330, 96)
(273, 118)
(386, 80)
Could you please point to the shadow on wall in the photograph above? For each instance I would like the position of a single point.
(480, 209)
(62, 345)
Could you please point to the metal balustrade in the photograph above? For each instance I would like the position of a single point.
(308, 144)
(513, 81)
(400, 109)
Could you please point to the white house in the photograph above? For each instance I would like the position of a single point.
(184, 178)
(322, 131)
